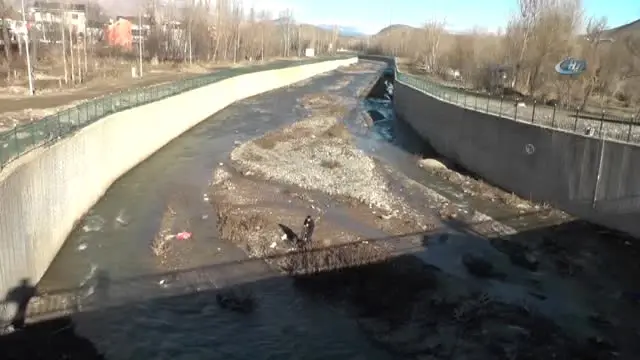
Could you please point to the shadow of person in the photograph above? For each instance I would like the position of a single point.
(21, 295)
(102, 284)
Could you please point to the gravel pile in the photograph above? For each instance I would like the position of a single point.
(316, 154)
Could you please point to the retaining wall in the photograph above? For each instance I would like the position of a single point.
(42, 199)
(594, 179)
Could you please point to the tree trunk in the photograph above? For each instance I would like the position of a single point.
(7, 49)
(73, 71)
(64, 52)
(84, 49)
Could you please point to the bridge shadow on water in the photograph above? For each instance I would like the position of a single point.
(440, 293)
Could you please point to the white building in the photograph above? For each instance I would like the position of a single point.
(74, 15)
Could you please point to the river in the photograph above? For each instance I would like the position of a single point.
(115, 237)
(170, 313)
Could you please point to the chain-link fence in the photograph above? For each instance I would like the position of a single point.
(596, 125)
(22, 139)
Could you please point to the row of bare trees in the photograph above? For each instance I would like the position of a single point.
(184, 31)
(522, 57)
(226, 31)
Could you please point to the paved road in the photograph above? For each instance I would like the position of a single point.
(538, 114)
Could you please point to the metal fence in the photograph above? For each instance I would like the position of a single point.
(596, 125)
(24, 138)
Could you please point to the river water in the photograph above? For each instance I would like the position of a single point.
(114, 238)
(171, 312)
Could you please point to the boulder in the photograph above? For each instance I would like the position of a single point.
(432, 164)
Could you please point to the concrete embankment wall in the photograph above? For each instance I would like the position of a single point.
(42, 199)
(590, 178)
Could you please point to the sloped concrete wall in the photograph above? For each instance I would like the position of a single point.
(562, 170)
(42, 199)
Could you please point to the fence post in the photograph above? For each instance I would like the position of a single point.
(47, 132)
(553, 117)
(59, 125)
(475, 104)
(500, 111)
(487, 110)
(601, 124)
(631, 123)
(15, 140)
(515, 111)
(596, 189)
(533, 113)
(33, 136)
(575, 124)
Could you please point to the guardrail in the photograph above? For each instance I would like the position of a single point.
(22, 139)
(578, 122)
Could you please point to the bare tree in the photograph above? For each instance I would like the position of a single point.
(5, 11)
(433, 33)
(64, 46)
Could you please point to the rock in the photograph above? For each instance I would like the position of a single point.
(599, 320)
(431, 164)
(598, 343)
(242, 303)
(477, 265)
(524, 260)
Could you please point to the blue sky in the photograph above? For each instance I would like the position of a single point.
(369, 16)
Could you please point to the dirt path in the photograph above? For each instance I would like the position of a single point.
(18, 109)
(93, 90)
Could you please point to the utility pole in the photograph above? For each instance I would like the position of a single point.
(139, 41)
(29, 70)
(193, 4)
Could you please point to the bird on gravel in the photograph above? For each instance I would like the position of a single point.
(305, 236)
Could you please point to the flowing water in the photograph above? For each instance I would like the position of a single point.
(115, 237)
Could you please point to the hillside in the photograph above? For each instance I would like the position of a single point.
(395, 29)
(346, 31)
(632, 28)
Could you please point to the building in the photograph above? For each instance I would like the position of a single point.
(74, 15)
(139, 31)
(119, 34)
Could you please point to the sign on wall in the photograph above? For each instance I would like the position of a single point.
(571, 66)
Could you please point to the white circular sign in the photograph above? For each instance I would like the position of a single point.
(529, 149)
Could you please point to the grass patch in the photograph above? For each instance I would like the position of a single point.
(330, 164)
(272, 138)
(237, 228)
(316, 260)
(338, 131)
(160, 242)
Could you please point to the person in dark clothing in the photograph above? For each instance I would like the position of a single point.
(307, 230)
(305, 236)
(21, 295)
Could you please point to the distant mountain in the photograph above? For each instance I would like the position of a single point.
(396, 29)
(343, 30)
(632, 28)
